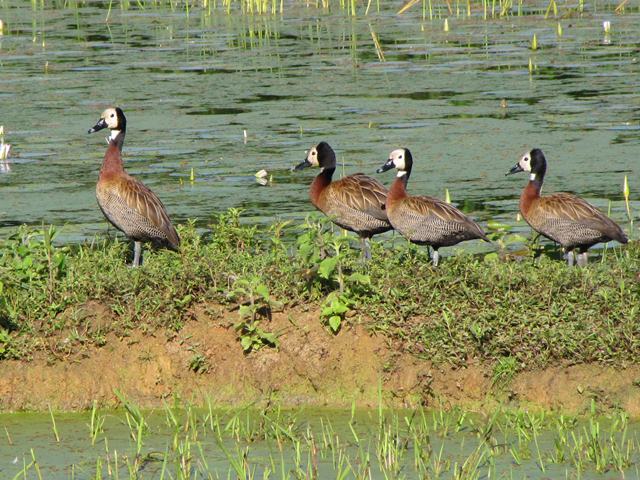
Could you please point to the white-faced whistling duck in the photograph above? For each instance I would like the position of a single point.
(424, 220)
(355, 202)
(130, 206)
(562, 217)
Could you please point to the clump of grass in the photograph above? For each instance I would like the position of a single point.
(503, 372)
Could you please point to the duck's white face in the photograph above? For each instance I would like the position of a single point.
(312, 157)
(398, 159)
(110, 116)
(525, 164)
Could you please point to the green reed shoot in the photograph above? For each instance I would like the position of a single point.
(53, 425)
(552, 7)
(626, 191)
(36, 467)
(96, 424)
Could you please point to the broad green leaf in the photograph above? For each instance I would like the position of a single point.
(327, 266)
(359, 278)
(334, 323)
(263, 291)
(246, 343)
(338, 307)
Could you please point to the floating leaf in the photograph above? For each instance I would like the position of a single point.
(493, 225)
(515, 238)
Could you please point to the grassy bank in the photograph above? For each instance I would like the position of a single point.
(516, 312)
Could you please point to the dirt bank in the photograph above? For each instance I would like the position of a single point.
(311, 366)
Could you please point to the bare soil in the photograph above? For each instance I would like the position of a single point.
(310, 367)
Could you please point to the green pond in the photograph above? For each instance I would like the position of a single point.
(191, 82)
(273, 443)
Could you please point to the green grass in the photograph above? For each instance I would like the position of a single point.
(522, 312)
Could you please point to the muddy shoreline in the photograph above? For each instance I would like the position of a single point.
(310, 367)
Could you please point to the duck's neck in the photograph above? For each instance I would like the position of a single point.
(531, 193)
(399, 186)
(117, 137)
(112, 163)
(321, 182)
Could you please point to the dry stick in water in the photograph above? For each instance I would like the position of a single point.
(376, 42)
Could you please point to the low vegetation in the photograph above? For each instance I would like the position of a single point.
(517, 311)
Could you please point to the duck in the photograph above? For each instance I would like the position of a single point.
(125, 201)
(424, 220)
(355, 202)
(562, 217)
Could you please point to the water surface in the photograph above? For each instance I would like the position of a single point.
(191, 84)
(372, 444)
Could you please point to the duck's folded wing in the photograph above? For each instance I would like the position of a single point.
(137, 211)
(435, 211)
(569, 207)
(362, 193)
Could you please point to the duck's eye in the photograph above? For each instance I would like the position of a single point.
(112, 115)
(400, 157)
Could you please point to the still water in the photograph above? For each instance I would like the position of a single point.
(464, 101)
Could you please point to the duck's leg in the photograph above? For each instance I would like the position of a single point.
(366, 249)
(435, 256)
(137, 254)
(570, 257)
(583, 259)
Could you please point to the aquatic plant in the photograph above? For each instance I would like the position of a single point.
(266, 441)
(429, 9)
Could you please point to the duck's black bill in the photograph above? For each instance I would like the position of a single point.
(302, 165)
(98, 126)
(515, 169)
(387, 166)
